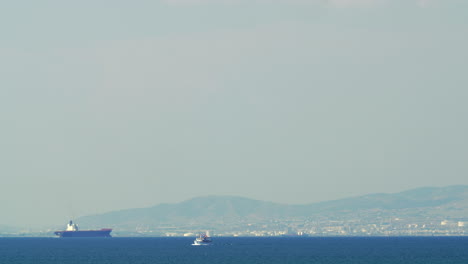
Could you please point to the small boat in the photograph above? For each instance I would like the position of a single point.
(202, 240)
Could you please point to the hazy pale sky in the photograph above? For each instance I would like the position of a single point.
(107, 105)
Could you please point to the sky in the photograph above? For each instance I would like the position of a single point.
(108, 105)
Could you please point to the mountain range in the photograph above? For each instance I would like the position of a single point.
(210, 211)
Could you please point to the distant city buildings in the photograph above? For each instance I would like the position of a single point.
(346, 226)
(394, 226)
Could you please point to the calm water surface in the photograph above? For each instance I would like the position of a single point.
(413, 250)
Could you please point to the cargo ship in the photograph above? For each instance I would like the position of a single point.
(72, 231)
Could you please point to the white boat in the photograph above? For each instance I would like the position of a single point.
(202, 240)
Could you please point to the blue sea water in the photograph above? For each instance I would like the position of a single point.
(295, 250)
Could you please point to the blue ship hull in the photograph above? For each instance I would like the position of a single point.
(85, 233)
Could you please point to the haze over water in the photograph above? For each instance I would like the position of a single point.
(108, 105)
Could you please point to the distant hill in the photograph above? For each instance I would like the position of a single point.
(427, 197)
(201, 210)
(211, 211)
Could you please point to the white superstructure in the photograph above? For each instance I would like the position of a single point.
(71, 226)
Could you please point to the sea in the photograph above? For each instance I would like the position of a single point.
(239, 250)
